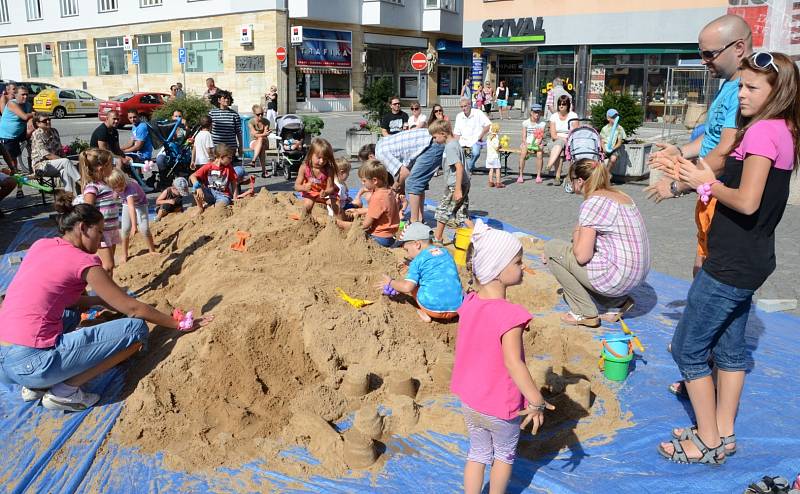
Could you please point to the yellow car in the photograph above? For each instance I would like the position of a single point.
(63, 102)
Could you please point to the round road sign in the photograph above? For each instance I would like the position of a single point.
(281, 53)
(419, 61)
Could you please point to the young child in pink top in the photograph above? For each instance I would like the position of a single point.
(489, 374)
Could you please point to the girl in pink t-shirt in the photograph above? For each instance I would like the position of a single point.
(489, 373)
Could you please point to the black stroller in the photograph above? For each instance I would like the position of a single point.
(173, 149)
(290, 143)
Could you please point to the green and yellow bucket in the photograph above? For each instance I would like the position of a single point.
(461, 243)
(615, 358)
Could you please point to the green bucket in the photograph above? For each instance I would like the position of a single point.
(616, 369)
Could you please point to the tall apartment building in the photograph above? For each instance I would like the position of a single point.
(108, 47)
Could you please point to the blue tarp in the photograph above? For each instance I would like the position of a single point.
(47, 451)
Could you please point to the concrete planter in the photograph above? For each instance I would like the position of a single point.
(355, 138)
(633, 161)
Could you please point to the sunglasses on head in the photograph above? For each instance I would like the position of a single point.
(764, 59)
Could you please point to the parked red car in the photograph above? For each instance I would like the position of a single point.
(144, 103)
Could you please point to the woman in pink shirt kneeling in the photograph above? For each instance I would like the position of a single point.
(609, 255)
(489, 374)
(42, 347)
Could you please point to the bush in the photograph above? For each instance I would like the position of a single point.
(313, 125)
(193, 107)
(630, 111)
(376, 99)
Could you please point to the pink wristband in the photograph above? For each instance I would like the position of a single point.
(704, 191)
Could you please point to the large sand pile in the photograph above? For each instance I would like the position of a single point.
(285, 357)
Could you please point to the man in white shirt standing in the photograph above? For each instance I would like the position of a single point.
(471, 127)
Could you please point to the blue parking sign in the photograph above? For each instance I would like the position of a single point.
(135, 57)
(182, 55)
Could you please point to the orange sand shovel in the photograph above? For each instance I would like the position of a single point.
(241, 239)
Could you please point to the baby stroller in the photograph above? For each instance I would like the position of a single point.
(291, 144)
(173, 152)
(582, 142)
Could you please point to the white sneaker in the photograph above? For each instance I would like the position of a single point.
(31, 394)
(76, 402)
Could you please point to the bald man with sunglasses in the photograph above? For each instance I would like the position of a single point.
(723, 43)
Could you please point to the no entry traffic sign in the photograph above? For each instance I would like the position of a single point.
(419, 61)
(280, 53)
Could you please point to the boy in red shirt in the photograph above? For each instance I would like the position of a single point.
(216, 181)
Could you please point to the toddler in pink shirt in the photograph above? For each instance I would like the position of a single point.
(489, 373)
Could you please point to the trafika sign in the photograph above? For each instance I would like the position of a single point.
(522, 30)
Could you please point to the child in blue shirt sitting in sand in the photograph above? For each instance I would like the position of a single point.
(432, 276)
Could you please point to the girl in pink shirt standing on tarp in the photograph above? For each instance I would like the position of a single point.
(489, 374)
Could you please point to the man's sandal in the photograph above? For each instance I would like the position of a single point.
(768, 485)
(726, 441)
(708, 456)
(616, 313)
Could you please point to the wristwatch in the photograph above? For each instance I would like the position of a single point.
(673, 188)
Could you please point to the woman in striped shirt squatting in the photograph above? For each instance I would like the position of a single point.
(609, 255)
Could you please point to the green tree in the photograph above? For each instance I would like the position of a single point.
(630, 111)
(313, 125)
(376, 98)
(193, 107)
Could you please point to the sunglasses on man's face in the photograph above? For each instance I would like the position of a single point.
(709, 55)
(396, 103)
(46, 120)
(259, 114)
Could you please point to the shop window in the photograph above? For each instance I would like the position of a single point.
(74, 58)
(300, 87)
(111, 58)
(155, 53)
(336, 86)
(451, 79)
(150, 3)
(314, 85)
(409, 88)
(203, 50)
(106, 6)
(40, 64)
(4, 17)
(34, 9)
(69, 8)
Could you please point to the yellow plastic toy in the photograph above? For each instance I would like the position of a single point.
(634, 339)
(355, 302)
(504, 141)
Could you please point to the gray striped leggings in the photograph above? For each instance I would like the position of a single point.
(491, 437)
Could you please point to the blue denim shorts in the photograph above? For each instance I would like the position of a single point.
(213, 196)
(383, 241)
(713, 323)
(423, 169)
(76, 350)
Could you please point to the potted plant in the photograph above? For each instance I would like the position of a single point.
(376, 101)
(633, 161)
(313, 126)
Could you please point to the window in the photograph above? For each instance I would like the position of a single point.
(39, 63)
(203, 50)
(396, 2)
(150, 3)
(69, 8)
(34, 8)
(149, 99)
(66, 94)
(4, 18)
(106, 6)
(441, 4)
(74, 61)
(155, 53)
(111, 58)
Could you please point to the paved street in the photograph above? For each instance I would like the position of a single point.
(539, 208)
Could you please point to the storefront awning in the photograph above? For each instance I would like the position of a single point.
(644, 50)
(322, 70)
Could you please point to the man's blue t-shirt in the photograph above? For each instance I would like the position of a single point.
(436, 275)
(140, 133)
(721, 115)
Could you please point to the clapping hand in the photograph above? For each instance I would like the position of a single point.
(695, 175)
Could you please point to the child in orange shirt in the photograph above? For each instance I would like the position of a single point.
(382, 215)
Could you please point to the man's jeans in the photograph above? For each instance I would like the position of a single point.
(476, 153)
